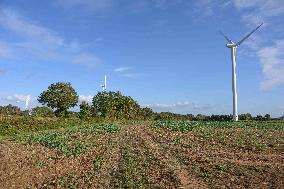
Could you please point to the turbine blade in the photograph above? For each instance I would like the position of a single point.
(229, 40)
(247, 36)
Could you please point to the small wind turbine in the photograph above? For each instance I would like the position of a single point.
(233, 46)
(28, 98)
(104, 86)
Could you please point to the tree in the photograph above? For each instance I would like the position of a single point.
(115, 105)
(267, 117)
(259, 118)
(86, 110)
(246, 116)
(60, 97)
(42, 111)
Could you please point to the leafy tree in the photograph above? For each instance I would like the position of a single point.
(267, 117)
(59, 96)
(200, 117)
(246, 116)
(259, 118)
(115, 105)
(42, 111)
(86, 110)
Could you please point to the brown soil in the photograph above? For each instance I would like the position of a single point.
(142, 157)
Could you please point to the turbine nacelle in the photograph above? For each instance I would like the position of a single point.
(230, 45)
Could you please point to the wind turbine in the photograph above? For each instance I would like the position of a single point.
(104, 86)
(233, 46)
(28, 98)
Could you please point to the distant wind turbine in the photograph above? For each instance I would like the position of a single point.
(28, 99)
(233, 46)
(104, 86)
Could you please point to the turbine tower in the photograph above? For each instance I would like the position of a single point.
(104, 86)
(233, 46)
(27, 100)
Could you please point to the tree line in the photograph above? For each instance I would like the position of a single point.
(60, 97)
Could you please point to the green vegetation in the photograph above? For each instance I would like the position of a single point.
(42, 111)
(185, 126)
(11, 126)
(71, 141)
(114, 143)
(86, 111)
(114, 105)
(59, 96)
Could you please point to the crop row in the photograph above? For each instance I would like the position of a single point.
(185, 126)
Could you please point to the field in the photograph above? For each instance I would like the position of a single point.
(141, 154)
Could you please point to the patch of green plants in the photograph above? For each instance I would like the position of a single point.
(70, 141)
(186, 126)
(39, 164)
(130, 174)
(98, 162)
(14, 125)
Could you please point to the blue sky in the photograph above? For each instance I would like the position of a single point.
(166, 54)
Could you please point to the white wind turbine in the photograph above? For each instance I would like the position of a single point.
(104, 86)
(27, 100)
(233, 46)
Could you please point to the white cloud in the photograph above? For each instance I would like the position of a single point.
(38, 42)
(86, 98)
(122, 69)
(180, 107)
(129, 75)
(272, 60)
(17, 97)
(123, 72)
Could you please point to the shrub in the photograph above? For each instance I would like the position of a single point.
(10, 110)
(42, 111)
(86, 111)
(114, 105)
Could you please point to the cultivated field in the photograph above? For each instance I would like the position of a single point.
(148, 154)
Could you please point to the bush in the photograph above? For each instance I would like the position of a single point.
(114, 105)
(10, 110)
(42, 111)
(86, 111)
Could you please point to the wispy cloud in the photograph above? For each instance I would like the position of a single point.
(122, 69)
(124, 72)
(272, 59)
(129, 75)
(181, 107)
(39, 42)
(17, 97)
(86, 98)
(270, 56)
